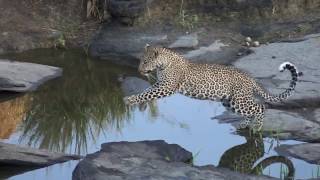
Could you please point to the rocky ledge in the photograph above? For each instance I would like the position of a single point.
(306, 151)
(23, 159)
(22, 77)
(148, 160)
(298, 117)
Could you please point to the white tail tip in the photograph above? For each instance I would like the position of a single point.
(283, 65)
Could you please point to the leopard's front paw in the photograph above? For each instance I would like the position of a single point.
(129, 100)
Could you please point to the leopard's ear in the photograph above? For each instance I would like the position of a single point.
(147, 46)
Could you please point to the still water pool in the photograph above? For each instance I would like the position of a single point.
(79, 111)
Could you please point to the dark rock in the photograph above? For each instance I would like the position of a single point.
(126, 11)
(22, 77)
(124, 47)
(15, 159)
(308, 152)
(133, 85)
(147, 160)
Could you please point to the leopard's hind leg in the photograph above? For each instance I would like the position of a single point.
(244, 104)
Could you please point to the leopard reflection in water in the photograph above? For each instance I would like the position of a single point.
(242, 158)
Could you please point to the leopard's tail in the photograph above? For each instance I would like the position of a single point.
(272, 160)
(288, 92)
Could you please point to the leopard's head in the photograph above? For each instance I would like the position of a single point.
(152, 59)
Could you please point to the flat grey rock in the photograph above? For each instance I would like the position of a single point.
(147, 160)
(187, 41)
(285, 125)
(304, 54)
(309, 152)
(22, 77)
(214, 47)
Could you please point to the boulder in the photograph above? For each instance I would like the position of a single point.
(22, 77)
(309, 152)
(147, 160)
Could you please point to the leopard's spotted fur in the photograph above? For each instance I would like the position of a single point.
(236, 89)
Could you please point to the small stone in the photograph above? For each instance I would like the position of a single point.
(5, 33)
(248, 39)
(247, 44)
(255, 44)
(239, 54)
(273, 57)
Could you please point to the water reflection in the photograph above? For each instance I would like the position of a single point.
(68, 111)
(85, 106)
(246, 157)
(12, 113)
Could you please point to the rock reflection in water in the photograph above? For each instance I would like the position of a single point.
(12, 113)
(66, 112)
(242, 158)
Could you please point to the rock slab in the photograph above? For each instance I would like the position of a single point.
(309, 152)
(25, 156)
(147, 160)
(264, 62)
(22, 76)
(16, 160)
(285, 125)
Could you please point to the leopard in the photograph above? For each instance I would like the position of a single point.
(236, 89)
